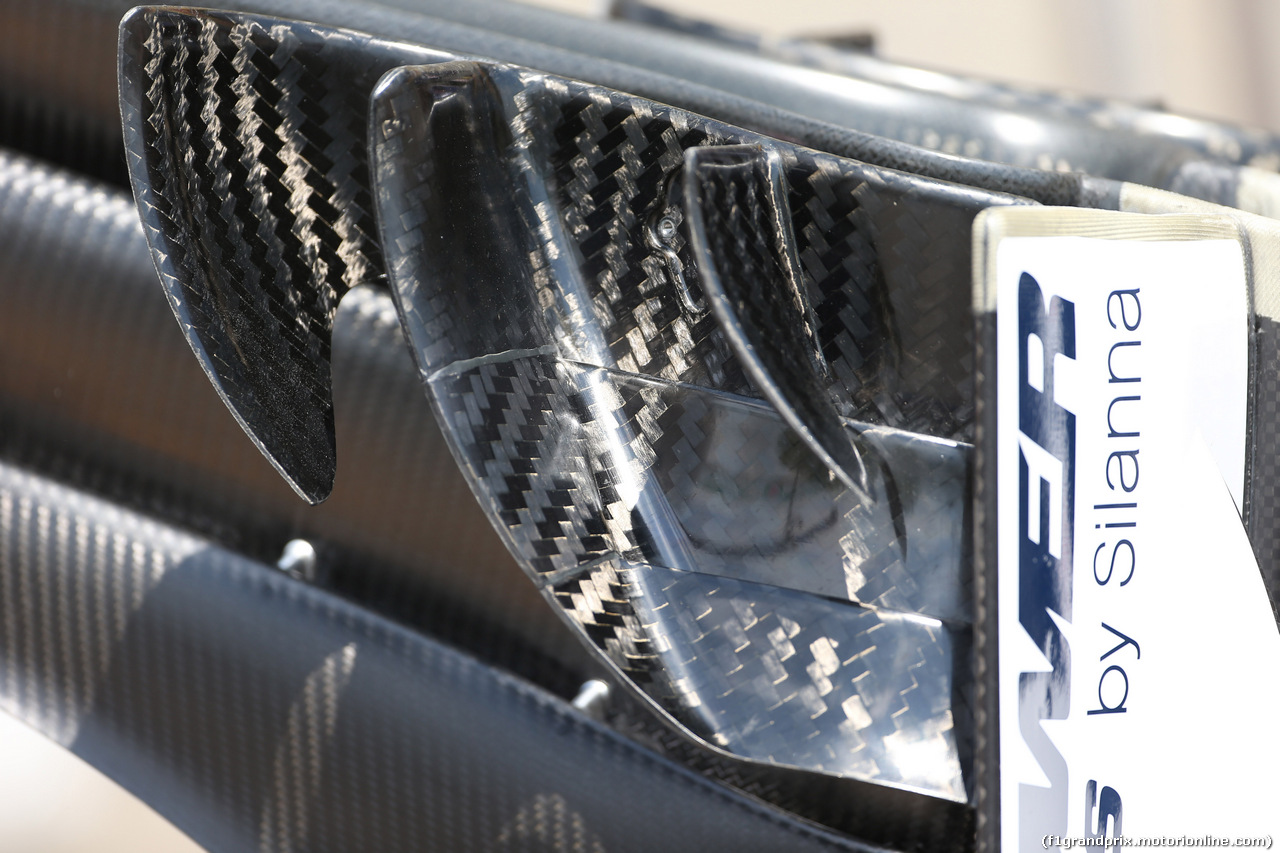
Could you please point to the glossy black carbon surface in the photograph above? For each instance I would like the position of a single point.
(558, 266)
(247, 146)
(740, 225)
(668, 471)
(239, 86)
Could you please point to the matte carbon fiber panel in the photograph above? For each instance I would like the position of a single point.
(257, 713)
(1262, 509)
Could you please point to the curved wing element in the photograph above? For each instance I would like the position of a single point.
(740, 226)
(245, 139)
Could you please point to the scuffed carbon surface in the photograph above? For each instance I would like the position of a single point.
(850, 690)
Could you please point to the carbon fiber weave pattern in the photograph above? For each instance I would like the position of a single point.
(58, 64)
(923, 117)
(986, 685)
(682, 636)
(903, 820)
(847, 688)
(265, 117)
(613, 161)
(880, 253)
(585, 465)
(437, 312)
(841, 224)
(253, 187)
(883, 256)
(691, 661)
(742, 494)
(652, 521)
(257, 713)
(746, 249)
(98, 388)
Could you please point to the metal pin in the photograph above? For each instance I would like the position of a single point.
(298, 560)
(659, 236)
(666, 229)
(592, 698)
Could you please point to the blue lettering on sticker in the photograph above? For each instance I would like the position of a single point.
(1046, 521)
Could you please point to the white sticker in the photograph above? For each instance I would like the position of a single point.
(1139, 660)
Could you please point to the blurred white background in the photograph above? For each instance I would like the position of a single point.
(1215, 58)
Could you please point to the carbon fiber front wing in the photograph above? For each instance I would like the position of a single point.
(713, 390)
